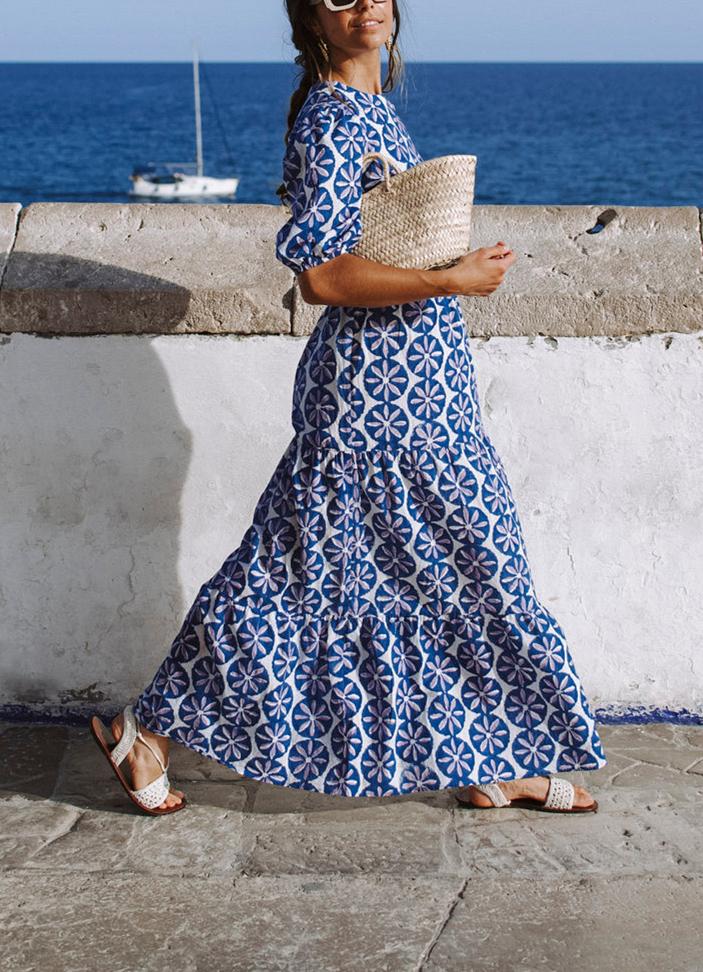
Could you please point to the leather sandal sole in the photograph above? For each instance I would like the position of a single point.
(536, 805)
(528, 804)
(98, 730)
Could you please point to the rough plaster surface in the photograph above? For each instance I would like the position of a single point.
(131, 467)
(251, 876)
(91, 268)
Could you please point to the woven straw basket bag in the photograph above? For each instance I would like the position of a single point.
(421, 217)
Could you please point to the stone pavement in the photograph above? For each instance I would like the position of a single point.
(256, 877)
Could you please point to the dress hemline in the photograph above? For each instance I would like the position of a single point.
(239, 766)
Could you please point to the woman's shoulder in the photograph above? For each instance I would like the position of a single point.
(324, 106)
(323, 95)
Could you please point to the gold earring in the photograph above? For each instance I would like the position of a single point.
(325, 53)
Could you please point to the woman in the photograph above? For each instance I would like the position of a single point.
(377, 630)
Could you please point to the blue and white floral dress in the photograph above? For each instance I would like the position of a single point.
(377, 630)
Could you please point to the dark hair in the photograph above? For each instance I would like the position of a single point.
(313, 60)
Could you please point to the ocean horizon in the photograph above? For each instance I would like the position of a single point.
(545, 133)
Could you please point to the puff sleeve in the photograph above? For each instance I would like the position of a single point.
(323, 173)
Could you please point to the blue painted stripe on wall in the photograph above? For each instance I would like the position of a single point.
(613, 715)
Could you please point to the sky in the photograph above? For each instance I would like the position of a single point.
(431, 30)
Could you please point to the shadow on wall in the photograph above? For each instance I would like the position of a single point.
(67, 295)
(92, 495)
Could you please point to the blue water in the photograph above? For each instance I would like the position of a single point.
(602, 134)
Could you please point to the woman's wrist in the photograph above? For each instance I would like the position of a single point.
(441, 282)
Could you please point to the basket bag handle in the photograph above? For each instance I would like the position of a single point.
(386, 162)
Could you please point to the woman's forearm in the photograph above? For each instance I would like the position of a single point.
(352, 281)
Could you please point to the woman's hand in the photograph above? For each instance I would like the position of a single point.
(480, 272)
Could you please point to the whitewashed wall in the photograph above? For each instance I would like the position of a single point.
(131, 466)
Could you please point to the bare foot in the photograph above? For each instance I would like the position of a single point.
(534, 786)
(142, 763)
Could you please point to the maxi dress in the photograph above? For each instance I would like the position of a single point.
(377, 630)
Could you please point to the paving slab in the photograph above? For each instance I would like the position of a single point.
(697, 768)
(83, 922)
(638, 924)
(198, 839)
(408, 839)
(30, 757)
(268, 798)
(633, 841)
(254, 876)
(28, 823)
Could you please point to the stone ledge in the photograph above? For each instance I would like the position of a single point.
(642, 273)
(108, 268)
(97, 268)
(9, 214)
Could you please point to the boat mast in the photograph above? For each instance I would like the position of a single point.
(198, 120)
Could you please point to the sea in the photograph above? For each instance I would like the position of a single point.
(543, 133)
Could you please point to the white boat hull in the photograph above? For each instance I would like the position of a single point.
(184, 186)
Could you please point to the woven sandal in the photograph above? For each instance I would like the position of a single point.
(149, 797)
(559, 799)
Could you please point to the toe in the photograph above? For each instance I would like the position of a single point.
(582, 798)
(171, 801)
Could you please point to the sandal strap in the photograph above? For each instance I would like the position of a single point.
(131, 732)
(560, 795)
(494, 793)
(155, 751)
(154, 793)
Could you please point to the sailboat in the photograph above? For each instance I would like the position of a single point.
(180, 180)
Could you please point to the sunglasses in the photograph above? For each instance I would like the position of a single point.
(339, 4)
